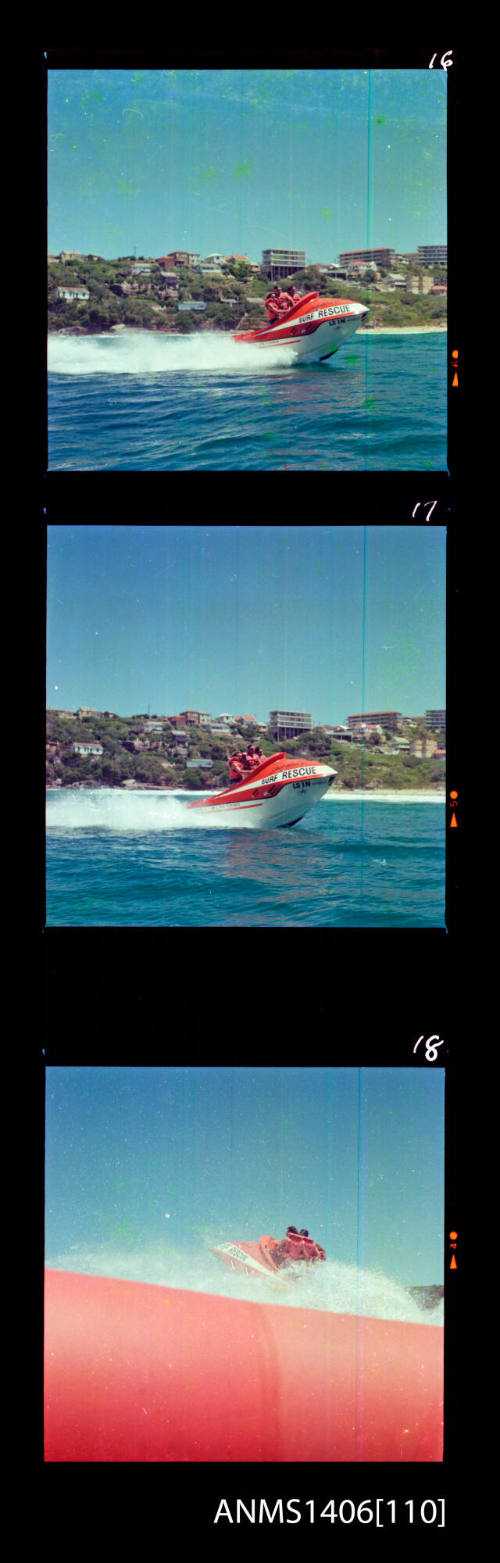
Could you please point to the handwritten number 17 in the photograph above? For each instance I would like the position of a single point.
(433, 504)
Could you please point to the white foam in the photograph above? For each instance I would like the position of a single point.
(155, 352)
(117, 809)
(329, 1287)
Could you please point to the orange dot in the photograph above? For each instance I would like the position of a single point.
(453, 1236)
(453, 794)
(455, 352)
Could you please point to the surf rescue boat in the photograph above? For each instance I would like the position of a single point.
(315, 328)
(277, 793)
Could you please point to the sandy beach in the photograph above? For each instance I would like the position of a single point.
(402, 330)
(379, 796)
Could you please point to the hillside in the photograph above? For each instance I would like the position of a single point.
(126, 293)
(133, 754)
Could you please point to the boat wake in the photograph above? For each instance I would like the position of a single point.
(136, 812)
(330, 1288)
(155, 352)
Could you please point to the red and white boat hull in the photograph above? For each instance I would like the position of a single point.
(315, 329)
(278, 793)
(250, 1259)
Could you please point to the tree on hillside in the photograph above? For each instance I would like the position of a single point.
(137, 312)
(210, 290)
(222, 315)
(316, 742)
(185, 321)
(241, 271)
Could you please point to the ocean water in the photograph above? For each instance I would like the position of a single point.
(125, 858)
(141, 400)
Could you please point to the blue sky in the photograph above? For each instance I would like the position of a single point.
(246, 619)
(240, 161)
(142, 1159)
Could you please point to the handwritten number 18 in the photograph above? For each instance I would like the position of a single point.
(431, 1047)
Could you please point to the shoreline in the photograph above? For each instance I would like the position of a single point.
(379, 795)
(401, 330)
(178, 335)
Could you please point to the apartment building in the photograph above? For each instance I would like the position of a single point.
(436, 720)
(289, 724)
(281, 263)
(390, 721)
(384, 257)
(433, 254)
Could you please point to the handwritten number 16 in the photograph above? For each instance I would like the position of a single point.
(445, 61)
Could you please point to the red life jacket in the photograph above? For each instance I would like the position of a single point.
(294, 1245)
(281, 1252)
(270, 1248)
(273, 308)
(310, 1249)
(292, 1248)
(235, 770)
(300, 1247)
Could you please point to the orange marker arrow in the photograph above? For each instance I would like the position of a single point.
(455, 379)
(453, 1265)
(453, 822)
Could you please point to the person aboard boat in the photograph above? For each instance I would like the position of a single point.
(243, 760)
(296, 1246)
(235, 766)
(277, 303)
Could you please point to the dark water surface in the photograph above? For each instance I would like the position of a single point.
(139, 400)
(116, 858)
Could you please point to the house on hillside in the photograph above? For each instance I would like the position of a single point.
(87, 748)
